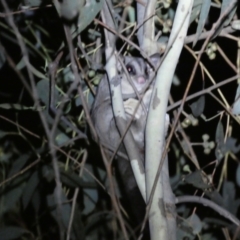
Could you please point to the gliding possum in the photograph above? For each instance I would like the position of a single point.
(140, 73)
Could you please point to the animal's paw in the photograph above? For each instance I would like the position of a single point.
(130, 105)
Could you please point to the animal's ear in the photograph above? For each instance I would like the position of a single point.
(127, 59)
(155, 59)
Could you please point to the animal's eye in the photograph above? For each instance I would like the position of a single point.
(131, 70)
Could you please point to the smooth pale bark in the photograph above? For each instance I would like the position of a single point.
(117, 103)
(155, 129)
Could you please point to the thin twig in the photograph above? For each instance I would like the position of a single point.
(20, 172)
(222, 211)
(204, 91)
(74, 201)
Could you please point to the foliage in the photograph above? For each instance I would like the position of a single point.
(47, 150)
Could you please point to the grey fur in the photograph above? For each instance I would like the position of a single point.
(104, 121)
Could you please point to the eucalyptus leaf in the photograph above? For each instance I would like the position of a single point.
(19, 107)
(32, 3)
(226, 20)
(78, 101)
(13, 192)
(236, 105)
(225, 6)
(9, 233)
(215, 196)
(65, 210)
(67, 75)
(231, 145)
(219, 138)
(87, 14)
(11, 197)
(198, 106)
(71, 179)
(78, 229)
(202, 19)
(229, 193)
(67, 108)
(195, 10)
(3, 134)
(208, 236)
(90, 200)
(6, 157)
(89, 97)
(47, 173)
(101, 174)
(2, 59)
(195, 222)
(68, 10)
(36, 200)
(31, 185)
(131, 14)
(61, 139)
(238, 175)
(18, 164)
(43, 89)
(21, 64)
(184, 231)
(198, 179)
